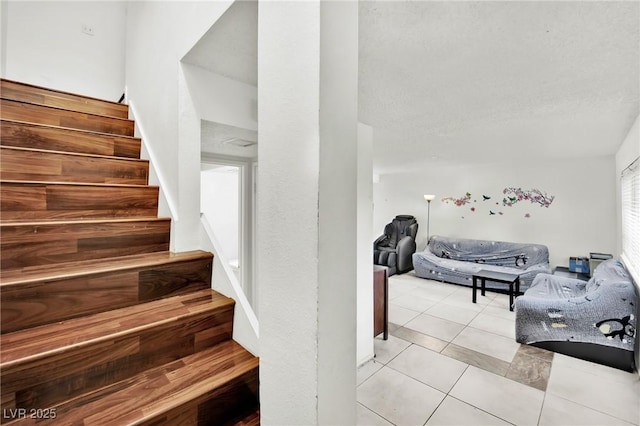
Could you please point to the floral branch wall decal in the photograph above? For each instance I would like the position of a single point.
(458, 201)
(535, 196)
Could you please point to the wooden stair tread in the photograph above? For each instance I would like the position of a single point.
(71, 129)
(73, 154)
(47, 96)
(94, 266)
(38, 342)
(154, 392)
(11, 223)
(85, 184)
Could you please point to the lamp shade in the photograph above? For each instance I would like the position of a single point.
(429, 197)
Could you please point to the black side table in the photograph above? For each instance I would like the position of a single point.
(498, 277)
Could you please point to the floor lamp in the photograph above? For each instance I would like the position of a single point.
(428, 198)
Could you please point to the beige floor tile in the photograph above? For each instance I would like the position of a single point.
(435, 327)
(503, 398)
(386, 350)
(477, 359)
(496, 325)
(596, 391)
(558, 411)
(500, 312)
(434, 291)
(452, 313)
(429, 367)
(465, 294)
(393, 327)
(530, 371)
(536, 352)
(367, 369)
(487, 343)
(600, 370)
(413, 302)
(464, 303)
(500, 301)
(399, 287)
(453, 412)
(399, 315)
(419, 339)
(399, 398)
(366, 417)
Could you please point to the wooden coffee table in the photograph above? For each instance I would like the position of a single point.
(499, 277)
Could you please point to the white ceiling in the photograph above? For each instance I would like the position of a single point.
(223, 139)
(458, 82)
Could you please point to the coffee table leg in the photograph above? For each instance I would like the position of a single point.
(482, 286)
(511, 296)
(475, 287)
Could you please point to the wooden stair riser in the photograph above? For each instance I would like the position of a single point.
(32, 113)
(28, 244)
(39, 383)
(44, 302)
(52, 166)
(45, 201)
(39, 95)
(36, 136)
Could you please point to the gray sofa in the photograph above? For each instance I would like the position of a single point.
(455, 260)
(594, 320)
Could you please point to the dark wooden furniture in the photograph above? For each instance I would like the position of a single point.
(499, 277)
(380, 301)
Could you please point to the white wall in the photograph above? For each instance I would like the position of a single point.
(45, 45)
(307, 111)
(629, 150)
(365, 246)
(159, 34)
(581, 219)
(219, 202)
(222, 100)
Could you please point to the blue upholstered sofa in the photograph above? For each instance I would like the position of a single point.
(594, 320)
(455, 260)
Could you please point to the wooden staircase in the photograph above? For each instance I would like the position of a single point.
(100, 323)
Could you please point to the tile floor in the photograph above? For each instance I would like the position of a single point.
(451, 362)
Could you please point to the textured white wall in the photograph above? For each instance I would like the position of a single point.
(307, 111)
(365, 246)
(222, 100)
(159, 34)
(581, 219)
(45, 45)
(219, 187)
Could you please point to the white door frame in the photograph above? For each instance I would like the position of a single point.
(246, 218)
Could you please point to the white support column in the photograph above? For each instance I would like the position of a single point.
(186, 230)
(307, 115)
(365, 243)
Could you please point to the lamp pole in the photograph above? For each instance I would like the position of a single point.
(428, 198)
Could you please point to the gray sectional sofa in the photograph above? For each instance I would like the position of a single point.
(594, 320)
(455, 260)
